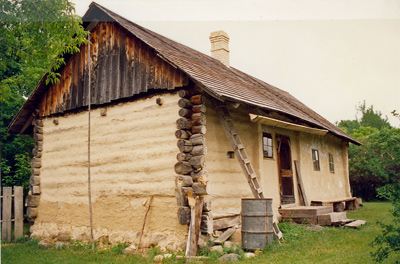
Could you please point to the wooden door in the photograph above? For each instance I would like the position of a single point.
(285, 169)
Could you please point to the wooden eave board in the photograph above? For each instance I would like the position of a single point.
(282, 124)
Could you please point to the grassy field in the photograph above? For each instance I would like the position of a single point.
(302, 245)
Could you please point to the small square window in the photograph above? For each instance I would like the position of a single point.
(267, 145)
(331, 163)
(315, 156)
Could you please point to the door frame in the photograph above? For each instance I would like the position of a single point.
(285, 174)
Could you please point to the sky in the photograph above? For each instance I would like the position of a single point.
(330, 54)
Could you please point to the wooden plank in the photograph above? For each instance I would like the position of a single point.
(300, 181)
(18, 211)
(195, 222)
(115, 63)
(223, 223)
(225, 236)
(108, 78)
(123, 66)
(356, 223)
(6, 223)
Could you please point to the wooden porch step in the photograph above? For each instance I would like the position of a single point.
(339, 205)
(305, 211)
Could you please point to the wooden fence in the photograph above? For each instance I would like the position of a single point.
(6, 205)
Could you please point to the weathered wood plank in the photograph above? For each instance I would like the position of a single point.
(300, 181)
(225, 236)
(194, 232)
(6, 222)
(18, 211)
(226, 222)
(356, 223)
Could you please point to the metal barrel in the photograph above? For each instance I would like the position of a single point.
(257, 223)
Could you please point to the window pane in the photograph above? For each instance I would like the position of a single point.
(267, 145)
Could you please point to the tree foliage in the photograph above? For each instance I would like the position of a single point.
(376, 162)
(34, 36)
(388, 241)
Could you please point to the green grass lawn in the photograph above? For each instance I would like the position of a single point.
(302, 245)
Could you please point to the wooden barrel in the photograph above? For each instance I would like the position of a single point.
(257, 223)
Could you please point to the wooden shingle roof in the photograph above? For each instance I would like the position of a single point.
(222, 82)
(218, 80)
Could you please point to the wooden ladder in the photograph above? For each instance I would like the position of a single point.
(240, 152)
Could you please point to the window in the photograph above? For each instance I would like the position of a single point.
(331, 164)
(315, 157)
(267, 145)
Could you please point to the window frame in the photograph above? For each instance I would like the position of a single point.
(331, 163)
(316, 159)
(267, 148)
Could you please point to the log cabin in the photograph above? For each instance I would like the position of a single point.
(167, 124)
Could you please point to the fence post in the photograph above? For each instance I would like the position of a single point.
(6, 223)
(18, 211)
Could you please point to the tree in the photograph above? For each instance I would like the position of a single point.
(34, 36)
(388, 241)
(366, 117)
(376, 162)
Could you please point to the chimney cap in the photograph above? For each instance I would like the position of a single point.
(218, 33)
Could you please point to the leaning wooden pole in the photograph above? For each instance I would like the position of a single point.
(89, 180)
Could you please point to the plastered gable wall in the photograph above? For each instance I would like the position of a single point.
(323, 184)
(133, 149)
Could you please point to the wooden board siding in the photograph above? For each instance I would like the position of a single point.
(121, 66)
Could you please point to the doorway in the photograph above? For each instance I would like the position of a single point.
(285, 169)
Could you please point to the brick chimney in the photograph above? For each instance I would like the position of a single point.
(220, 46)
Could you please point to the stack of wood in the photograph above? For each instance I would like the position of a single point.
(32, 199)
(192, 175)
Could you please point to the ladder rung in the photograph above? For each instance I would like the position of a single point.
(246, 161)
(253, 176)
(259, 190)
(240, 146)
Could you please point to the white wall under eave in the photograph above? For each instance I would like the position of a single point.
(323, 184)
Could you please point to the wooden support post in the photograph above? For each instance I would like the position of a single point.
(195, 222)
(6, 224)
(18, 211)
